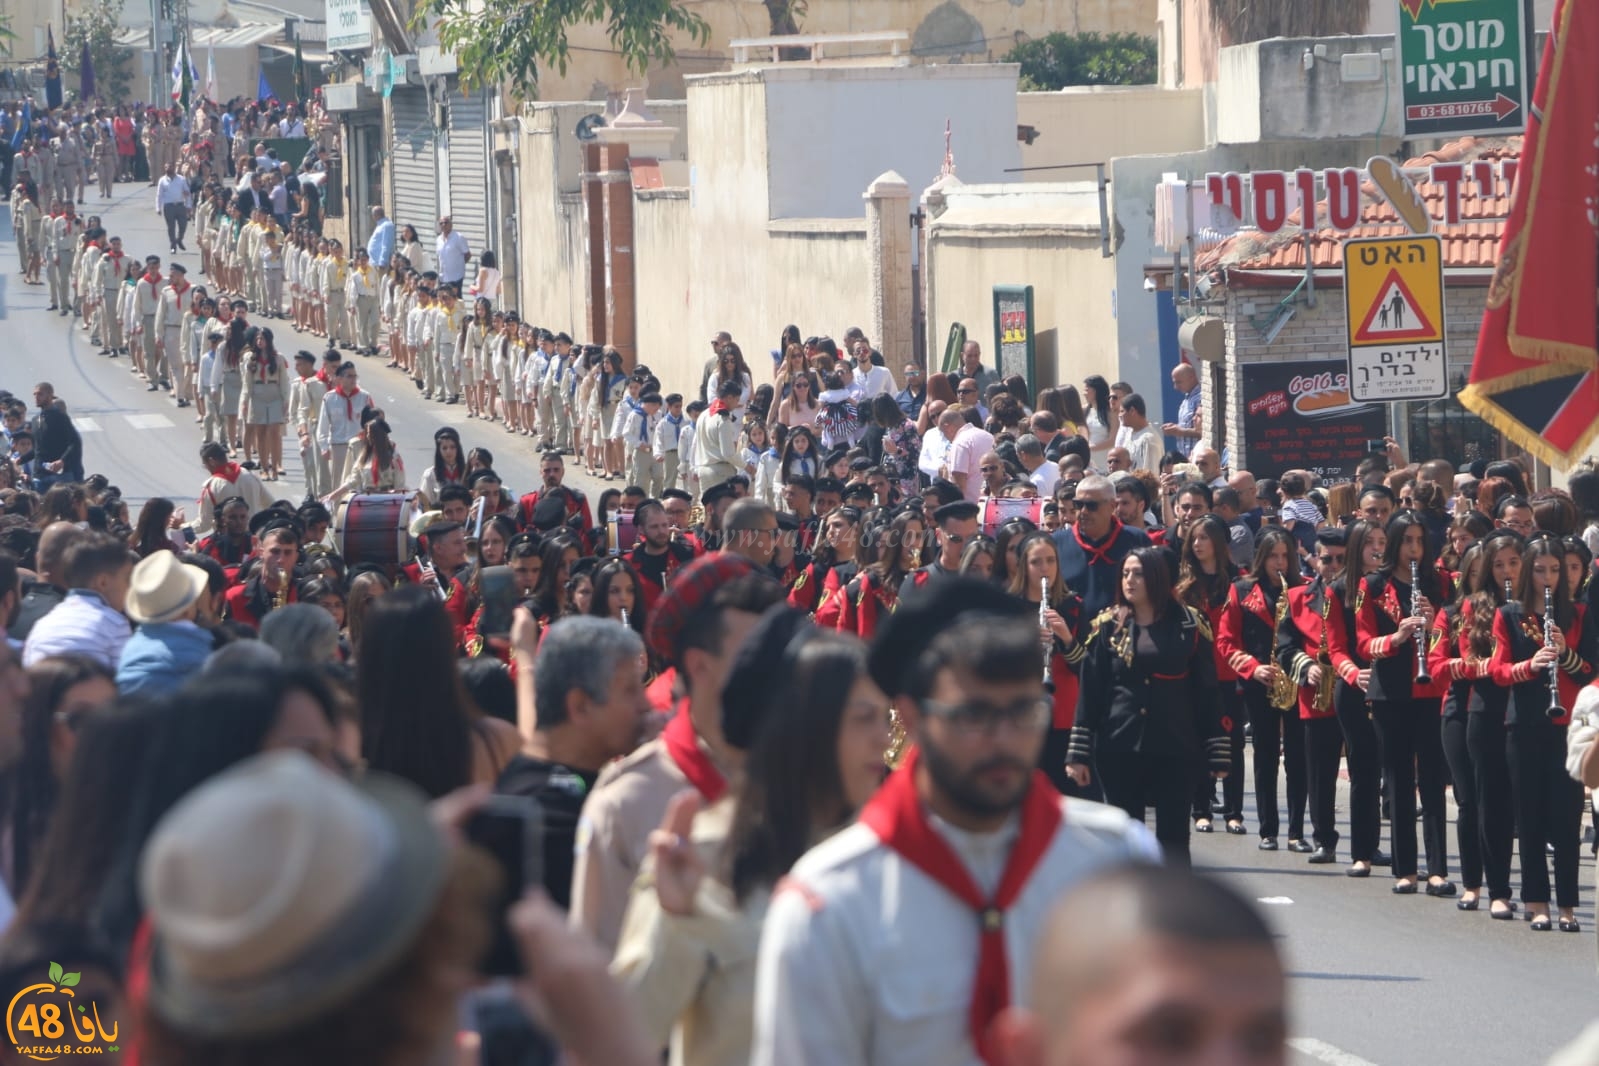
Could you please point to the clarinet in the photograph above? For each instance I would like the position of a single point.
(624, 619)
(1554, 710)
(1043, 605)
(1422, 677)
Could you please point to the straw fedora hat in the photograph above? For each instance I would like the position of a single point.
(277, 891)
(163, 587)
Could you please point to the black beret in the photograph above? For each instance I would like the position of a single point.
(480, 474)
(759, 669)
(837, 455)
(925, 612)
(550, 511)
(720, 491)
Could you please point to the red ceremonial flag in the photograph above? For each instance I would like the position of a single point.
(1536, 373)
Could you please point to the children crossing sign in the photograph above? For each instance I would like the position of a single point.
(1394, 302)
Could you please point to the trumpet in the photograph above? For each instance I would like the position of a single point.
(1422, 677)
(1554, 710)
(1043, 625)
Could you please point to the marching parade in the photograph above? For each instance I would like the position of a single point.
(395, 674)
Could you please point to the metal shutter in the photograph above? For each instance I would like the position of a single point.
(414, 163)
(469, 165)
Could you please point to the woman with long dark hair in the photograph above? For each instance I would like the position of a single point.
(819, 589)
(801, 458)
(1037, 581)
(1364, 546)
(234, 348)
(448, 468)
(1447, 661)
(64, 692)
(267, 404)
(1205, 580)
(1248, 640)
(1486, 708)
(874, 593)
(730, 366)
(374, 464)
(1404, 711)
(1147, 714)
(416, 720)
(617, 594)
(152, 534)
(1528, 645)
(813, 727)
(1099, 425)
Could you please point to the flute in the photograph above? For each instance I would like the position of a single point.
(1422, 677)
(1043, 625)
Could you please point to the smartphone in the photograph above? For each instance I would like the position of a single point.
(511, 830)
(499, 594)
(1377, 447)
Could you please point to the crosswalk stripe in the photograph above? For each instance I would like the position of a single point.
(86, 425)
(1322, 1051)
(149, 421)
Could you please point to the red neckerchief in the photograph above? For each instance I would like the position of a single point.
(685, 751)
(229, 473)
(1100, 554)
(452, 475)
(178, 291)
(896, 815)
(152, 278)
(349, 403)
(717, 407)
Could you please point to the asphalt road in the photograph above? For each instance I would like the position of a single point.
(1377, 979)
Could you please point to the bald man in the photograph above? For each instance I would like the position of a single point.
(1152, 965)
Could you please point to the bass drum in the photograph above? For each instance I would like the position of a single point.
(995, 511)
(623, 534)
(376, 528)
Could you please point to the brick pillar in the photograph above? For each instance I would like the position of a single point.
(616, 184)
(890, 309)
(594, 239)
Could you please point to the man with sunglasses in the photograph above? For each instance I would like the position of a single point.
(1092, 549)
(955, 524)
(968, 841)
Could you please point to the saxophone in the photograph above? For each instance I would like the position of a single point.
(897, 738)
(1284, 693)
(1323, 699)
(281, 596)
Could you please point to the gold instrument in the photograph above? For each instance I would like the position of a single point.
(281, 596)
(1422, 677)
(897, 739)
(1323, 700)
(1554, 710)
(1283, 692)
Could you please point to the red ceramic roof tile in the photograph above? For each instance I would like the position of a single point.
(1466, 244)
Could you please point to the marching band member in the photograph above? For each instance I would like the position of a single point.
(1037, 581)
(1206, 576)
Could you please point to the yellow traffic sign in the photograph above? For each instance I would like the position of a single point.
(1394, 304)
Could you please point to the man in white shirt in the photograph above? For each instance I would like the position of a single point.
(452, 252)
(340, 421)
(874, 377)
(172, 200)
(902, 938)
(1041, 472)
(1144, 445)
(89, 621)
(968, 444)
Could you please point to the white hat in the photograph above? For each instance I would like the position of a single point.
(277, 891)
(163, 587)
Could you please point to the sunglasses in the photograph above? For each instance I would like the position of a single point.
(963, 392)
(1087, 505)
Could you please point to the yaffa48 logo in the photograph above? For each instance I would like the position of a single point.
(48, 1020)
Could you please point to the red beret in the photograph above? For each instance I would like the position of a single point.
(691, 588)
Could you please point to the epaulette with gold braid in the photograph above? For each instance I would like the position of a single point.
(1199, 621)
(799, 582)
(1360, 598)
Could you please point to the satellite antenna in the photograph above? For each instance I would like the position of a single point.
(587, 125)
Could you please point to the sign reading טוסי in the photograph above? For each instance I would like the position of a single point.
(1465, 66)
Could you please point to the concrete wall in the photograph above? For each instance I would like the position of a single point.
(874, 120)
(1095, 124)
(550, 218)
(663, 286)
(938, 29)
(1264, 93)
(1047, 236)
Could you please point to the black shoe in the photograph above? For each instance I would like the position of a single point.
(1404, 888)
(1204, 827)
(1267, 844)
(1300, 847)
(1444, 890)
(1541, 924)
(52, 307)
(1236, 829)
(1323, 857)
(1506, 915)
(1569, 925)
(153, 387)
(1358, 871)
(1465, 904)
(1382, 858)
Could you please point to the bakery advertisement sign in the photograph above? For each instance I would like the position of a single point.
(1299, 416)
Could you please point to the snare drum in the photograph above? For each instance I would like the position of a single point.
(624, 535)
(995, 511)
(376, 528)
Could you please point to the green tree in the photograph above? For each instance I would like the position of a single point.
(508, 42)
(1061, 59)
(97, 24)
(1247, 21)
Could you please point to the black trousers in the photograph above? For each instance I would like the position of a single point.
(1365, 771)
(1232, 787)
(1496, 800)
(1278, 737)
(1135, 782)
(1468, 831)
(1412, 758)
(1324, 746)
(1549, 806)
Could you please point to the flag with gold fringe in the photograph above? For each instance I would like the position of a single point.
(1535, 377)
